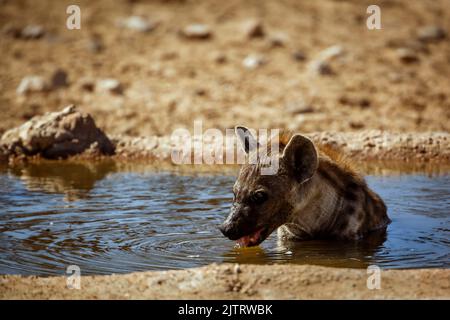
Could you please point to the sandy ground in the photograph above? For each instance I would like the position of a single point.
(228, 281)
(168, 80)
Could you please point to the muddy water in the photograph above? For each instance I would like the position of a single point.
(110, 219)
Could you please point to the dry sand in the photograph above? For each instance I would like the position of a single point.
(227, 281)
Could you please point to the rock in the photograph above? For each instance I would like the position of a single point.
(431, 34)
(87, 84)
(219, 57)
(57, 135)
(110, 85)
(59, 79)
(196, 31)
(138, 23)
(298, 107)
(279, 39)
(31, 84)
(253, 61)
(253, 28)
(95, 44)
(299, 55)
(321, 67)
(407, 55)
(331, 53)
(32, 32)
(413, 44)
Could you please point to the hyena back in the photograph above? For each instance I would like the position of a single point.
(314, 194)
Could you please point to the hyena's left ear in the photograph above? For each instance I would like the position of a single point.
(245, 137)
(300, 157)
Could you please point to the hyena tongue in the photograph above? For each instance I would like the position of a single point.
(249, 240)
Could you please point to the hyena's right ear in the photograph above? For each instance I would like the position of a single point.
(245, 137)
(300, 157)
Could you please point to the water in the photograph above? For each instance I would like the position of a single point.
(110, 218)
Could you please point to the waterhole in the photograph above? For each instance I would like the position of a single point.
(106, 218)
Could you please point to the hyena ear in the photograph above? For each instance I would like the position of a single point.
(300, 157)
(245, 137)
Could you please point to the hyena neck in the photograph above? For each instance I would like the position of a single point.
(335, 203)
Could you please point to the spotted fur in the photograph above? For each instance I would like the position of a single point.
(316, 193)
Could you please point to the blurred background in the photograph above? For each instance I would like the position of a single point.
(147, 67)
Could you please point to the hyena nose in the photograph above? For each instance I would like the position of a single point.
(223, 229)
(228, 231)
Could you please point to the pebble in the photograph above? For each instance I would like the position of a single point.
(253, 28)
(279, 39)
(32, 32)
(331, 53)
(321, 67)
(431, 34)
(59, 79)
(299, 55)
(110, 85)
(407, 55)
(95, 44)
(298, 107)
(196, 31)
(219, 57)
(253, 61)
(138, 23)
(32, 84)
(87, 84)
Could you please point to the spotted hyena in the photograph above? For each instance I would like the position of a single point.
(314, 194)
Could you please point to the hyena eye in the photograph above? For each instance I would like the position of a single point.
(259, 197)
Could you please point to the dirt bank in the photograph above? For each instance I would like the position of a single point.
(70, 132)
(138, 76)
(227, 281)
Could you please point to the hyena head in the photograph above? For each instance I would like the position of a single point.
(262, 203)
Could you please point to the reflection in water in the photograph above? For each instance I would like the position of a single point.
(121, 220)
(75, 180)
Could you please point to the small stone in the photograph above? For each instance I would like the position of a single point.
(32, 84)
(138, 23)
(279, 39)
(407, 55)
(200, 91)
(321, 67)
(356, 125)
(59, 79)
(196, 31)
(299, 107)
(331, 53)
(110, 85)
(87, 85)
(32, 32)
(219, 57)
(253, 61)
(253, 28)
(299, 55)
(431, 34)
(95, 44)
(364, 103)
(12, 30)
